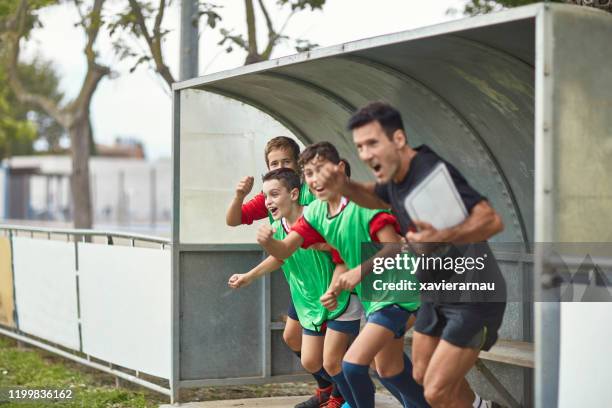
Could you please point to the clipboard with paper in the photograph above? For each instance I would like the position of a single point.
(435, 200)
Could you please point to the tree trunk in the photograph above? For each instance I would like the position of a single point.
(252, 54)
(80, 136)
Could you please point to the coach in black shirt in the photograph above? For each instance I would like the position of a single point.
(448, 335)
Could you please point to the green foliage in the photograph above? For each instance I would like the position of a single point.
(303, 4)
(7, 7)
(475, 7)
(16, 135)
(22, 124)
(141, 20)
(41, 78)
(209, 11)
(275, 31)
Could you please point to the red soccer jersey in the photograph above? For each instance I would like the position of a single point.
(254, 209)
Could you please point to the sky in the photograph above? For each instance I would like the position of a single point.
(138, 104)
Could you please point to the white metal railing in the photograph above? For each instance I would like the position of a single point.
(115, 299)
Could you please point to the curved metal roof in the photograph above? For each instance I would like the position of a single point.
(466, 88)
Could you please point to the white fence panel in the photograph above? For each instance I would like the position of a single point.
(45, 290)
(584, 364)
(125, 306)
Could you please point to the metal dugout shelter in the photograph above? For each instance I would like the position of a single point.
(518, 100)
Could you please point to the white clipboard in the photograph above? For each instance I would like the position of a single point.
(436, 200)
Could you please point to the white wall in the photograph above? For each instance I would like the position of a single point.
(222, 140)
(585, 364)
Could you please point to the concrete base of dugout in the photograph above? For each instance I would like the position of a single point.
(382, 401)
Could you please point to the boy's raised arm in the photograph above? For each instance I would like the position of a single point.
(278, 249)
(233, 216)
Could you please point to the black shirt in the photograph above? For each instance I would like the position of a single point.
(420, 166)
(395, 193)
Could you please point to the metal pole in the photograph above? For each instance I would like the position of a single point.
(189, 40)
(153, 197)
(121, 204)
(547, 309)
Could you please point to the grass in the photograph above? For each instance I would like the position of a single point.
(35, 369)
(32, 368)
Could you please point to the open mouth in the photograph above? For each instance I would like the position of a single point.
(273, 210)
(376, 168)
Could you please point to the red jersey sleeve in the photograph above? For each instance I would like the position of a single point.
(336, 257)
(309, 234)
(379, 221)
(254, 209)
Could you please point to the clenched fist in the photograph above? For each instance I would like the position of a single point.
(239, 280)
(332, 177)
(265, 234)
(245, 186)
(329, 300)
(348, 280)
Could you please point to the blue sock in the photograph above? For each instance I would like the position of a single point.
(344, 388)
(322, 382)
(361, 384)
(323, 374)
(394, 391)
(412, 393)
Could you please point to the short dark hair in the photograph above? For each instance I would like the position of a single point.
(282, 142)
(325, 150)
(388, 117)
(347, 167)
(285, 176)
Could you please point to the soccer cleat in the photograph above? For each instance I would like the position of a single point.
(346, 405)
(335, 402)
(319, 399)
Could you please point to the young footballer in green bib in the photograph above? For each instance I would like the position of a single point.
(346, 226)
(280, 152)
(309, 274)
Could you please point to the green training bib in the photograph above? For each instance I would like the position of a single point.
(349, 232)
(309, 273)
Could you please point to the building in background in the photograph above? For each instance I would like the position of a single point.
(127, 193)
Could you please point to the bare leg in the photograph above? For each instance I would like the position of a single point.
(335, 346)
(423, 347)
(390, 360)
(445, 384)
(292, 335)
(370, 341)
(312, 353)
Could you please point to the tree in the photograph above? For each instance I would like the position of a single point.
(74, 116)
(143, 21)
(16, 135)
(474, 7)
(42, 79)
(275, 35)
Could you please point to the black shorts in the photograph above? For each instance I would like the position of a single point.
(472, 325)
(291, 312)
